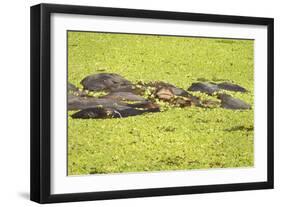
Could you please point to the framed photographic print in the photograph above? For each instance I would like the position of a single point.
(133, 103)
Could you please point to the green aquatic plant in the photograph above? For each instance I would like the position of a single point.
(176, 138)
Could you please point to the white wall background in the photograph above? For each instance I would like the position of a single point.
(14, 101)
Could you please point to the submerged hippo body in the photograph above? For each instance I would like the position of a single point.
(77, 102)
(175, 90)
(145, 105)
(228, 102)
(114, 112)
(204, 87)
(94, 112)
(124, 96)
(231, 87)
(210, 87)
(105, 82)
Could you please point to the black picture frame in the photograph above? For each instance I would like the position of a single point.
(41, 96)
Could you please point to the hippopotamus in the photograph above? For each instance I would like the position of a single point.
(228, 102)
(124, 96)
(159, 85)
(204, 87)
(105, 82)
(211, 87)
(110, 112)
(78, 102)
(231, 87)
(144, 105)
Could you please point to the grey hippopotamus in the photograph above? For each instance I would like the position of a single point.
(105, 82)
(124, 96)
(204, 87)
(211, 87)
(228, 102)
(231, 87)
(175, 90)
(110, 112)
(78, 102)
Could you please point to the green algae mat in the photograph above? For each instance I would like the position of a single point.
(173, 139)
